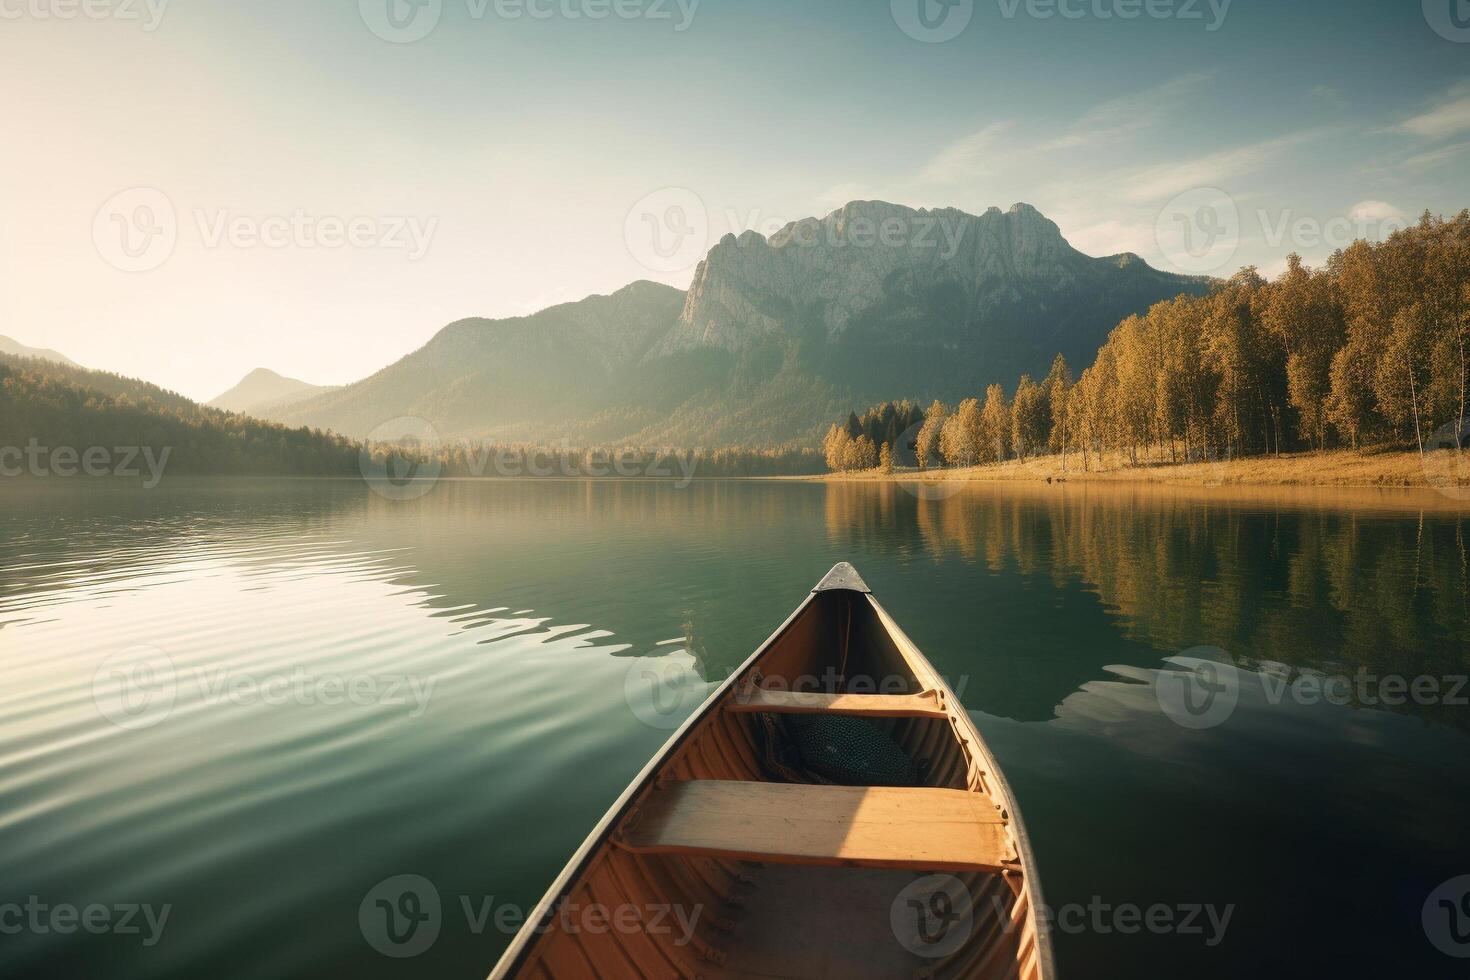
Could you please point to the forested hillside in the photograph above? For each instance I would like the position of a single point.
(50, 406)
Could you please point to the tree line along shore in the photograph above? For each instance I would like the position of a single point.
(1357, 371)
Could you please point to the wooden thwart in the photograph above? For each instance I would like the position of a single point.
(788, 823)
(812, 703)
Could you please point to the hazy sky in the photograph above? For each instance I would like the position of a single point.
(196, 188)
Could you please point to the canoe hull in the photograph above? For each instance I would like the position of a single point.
(706, 867)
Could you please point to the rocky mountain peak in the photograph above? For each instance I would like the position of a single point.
(849, 261)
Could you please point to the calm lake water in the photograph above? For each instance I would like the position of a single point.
(329, 689)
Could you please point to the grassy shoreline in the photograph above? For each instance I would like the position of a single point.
(1384, 469)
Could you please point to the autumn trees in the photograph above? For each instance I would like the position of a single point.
(858, 443)
(1371, 349)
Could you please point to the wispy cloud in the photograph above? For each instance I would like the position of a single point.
(973, 156)
(1125, 116)
(1423, 162)
(992, 149)
(1450, 116)
(1165, 180)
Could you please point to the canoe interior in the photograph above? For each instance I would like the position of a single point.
(763, 919)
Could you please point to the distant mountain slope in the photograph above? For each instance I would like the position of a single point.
(55, 406)
(774, 337)
(263, 390)
(16, 349)
(553, 371)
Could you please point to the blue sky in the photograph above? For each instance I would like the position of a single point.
(493, 163)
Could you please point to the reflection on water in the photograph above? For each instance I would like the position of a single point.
(1307, 588)
(361, 688)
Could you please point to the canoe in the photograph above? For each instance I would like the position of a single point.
(829, 811)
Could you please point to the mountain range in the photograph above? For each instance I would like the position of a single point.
(775, 337)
